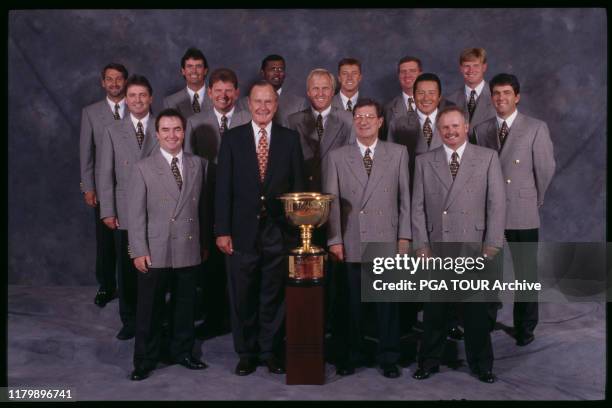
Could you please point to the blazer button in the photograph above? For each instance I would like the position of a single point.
(262, 198)
(508, 181)
(517, 161)
(172, 220)
(444, 212)
(191, 220)
(189, 237)
(258, 217)
(310, 178)
(193, 199)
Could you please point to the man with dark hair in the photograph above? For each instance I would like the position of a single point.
(528, 165)
(168, 240)
(458, 198)
(408, 69)
(191, 99)
(125, 142)
(474, 96)
(369, 181)
(94, 120)
(349, 77)
(257, 162)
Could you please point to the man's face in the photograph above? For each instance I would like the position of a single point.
(194, 73)
(223, 95)
(504, 100)
(171, 134)
(473, 72)
(453, 129)
(367, 123)
(113, 83)
(349, 77)
(274, 73)
(407, 74)
(138, 100)
(263, 103)
(427, 96)
(320, 92)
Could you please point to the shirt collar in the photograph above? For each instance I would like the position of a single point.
(345, 98)
(121, 106)
(432, 117)
(279, 91)
(324, 113)
(201, 93)
(228, 115)
(256, 129)
(405, 96)
(169, 157)
(509, 120)
(478, 89)
(362, 147)
(144, 121)
(450, 151)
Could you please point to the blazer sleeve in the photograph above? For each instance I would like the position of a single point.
(496, 204)
(137, 214)
(331, 186)
(205, 207)
(404, 230)
(419, 216)
(543, 161)
(106, 189)
(223, 188)
(87, 152)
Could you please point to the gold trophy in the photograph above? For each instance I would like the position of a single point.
(308, 211)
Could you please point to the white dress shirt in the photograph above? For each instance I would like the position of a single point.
(363, 148)
(121, 106)
(169, 158)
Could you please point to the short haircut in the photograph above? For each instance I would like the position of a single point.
(223, 75)
(369, 102)
(505, 79)
(349, 61)
(116, 67)
(271, 57)
(262, 82)
(427, 76)
(470, 54)
(170, 113)
(409, 58)
(141, 80)
(193, 53)
(321, 71)
(449, 109)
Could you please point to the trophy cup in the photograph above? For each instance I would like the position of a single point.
(307, 211)
(304, 294)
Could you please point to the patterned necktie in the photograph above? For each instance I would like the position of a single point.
(319, 127)
(176, 172)
(503, 133)
(349, 105)
(223, 126)
(454, 164)
(367, 161)
(116, 114)
(196, 103)
(410, 102)
(139, 134)
(472, 103)
(427, 131)
(262, 154)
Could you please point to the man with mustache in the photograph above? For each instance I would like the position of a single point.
(257, 162)
(94, 121)
(191, 99)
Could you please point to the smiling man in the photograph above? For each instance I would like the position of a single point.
(168, 239)
(191, 99)
(257, 162)
(349, 77)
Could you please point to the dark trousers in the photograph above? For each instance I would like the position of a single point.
(525, 262)
(349, 321)
(215, 299)
(127, 281)
(106, 260)
(152, 288)
(256, 282)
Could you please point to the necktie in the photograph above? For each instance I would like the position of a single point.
(503, 133)
(116, 114)
(139, 134)
(176, 172)
(410, 102)
(223, 126)
(454, 164)
(367, 161)
(349, 106)
(472, 103)
(196, 103)
(262, 154)
(319, 127)
(427, 131)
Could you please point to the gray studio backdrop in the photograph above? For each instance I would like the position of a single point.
(55, 56)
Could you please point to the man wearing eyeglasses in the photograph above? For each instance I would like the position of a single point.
(369, 180)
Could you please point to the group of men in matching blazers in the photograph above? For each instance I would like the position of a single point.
(215, 163)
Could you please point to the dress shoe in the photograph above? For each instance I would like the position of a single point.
(274, 366)
(424, 373)
(345, 369)
(390, 370)
(523, 340)
(140, 374)
(455, 333)
(125, 333)
(245, 366)
(103, 297)
(486, 377)
(192, 363)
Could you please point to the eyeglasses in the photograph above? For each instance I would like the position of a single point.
(367, 116)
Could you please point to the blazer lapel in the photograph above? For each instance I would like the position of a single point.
(355, 164)
(189, 172)
(481, 104)
(150, 139)
(166, 177)
(273, 149)
(379, 165)
(466, 169)
(515, 131)
(129, 136)
(330, 134)
(441, 168)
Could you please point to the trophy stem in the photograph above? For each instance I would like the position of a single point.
(306, 236)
